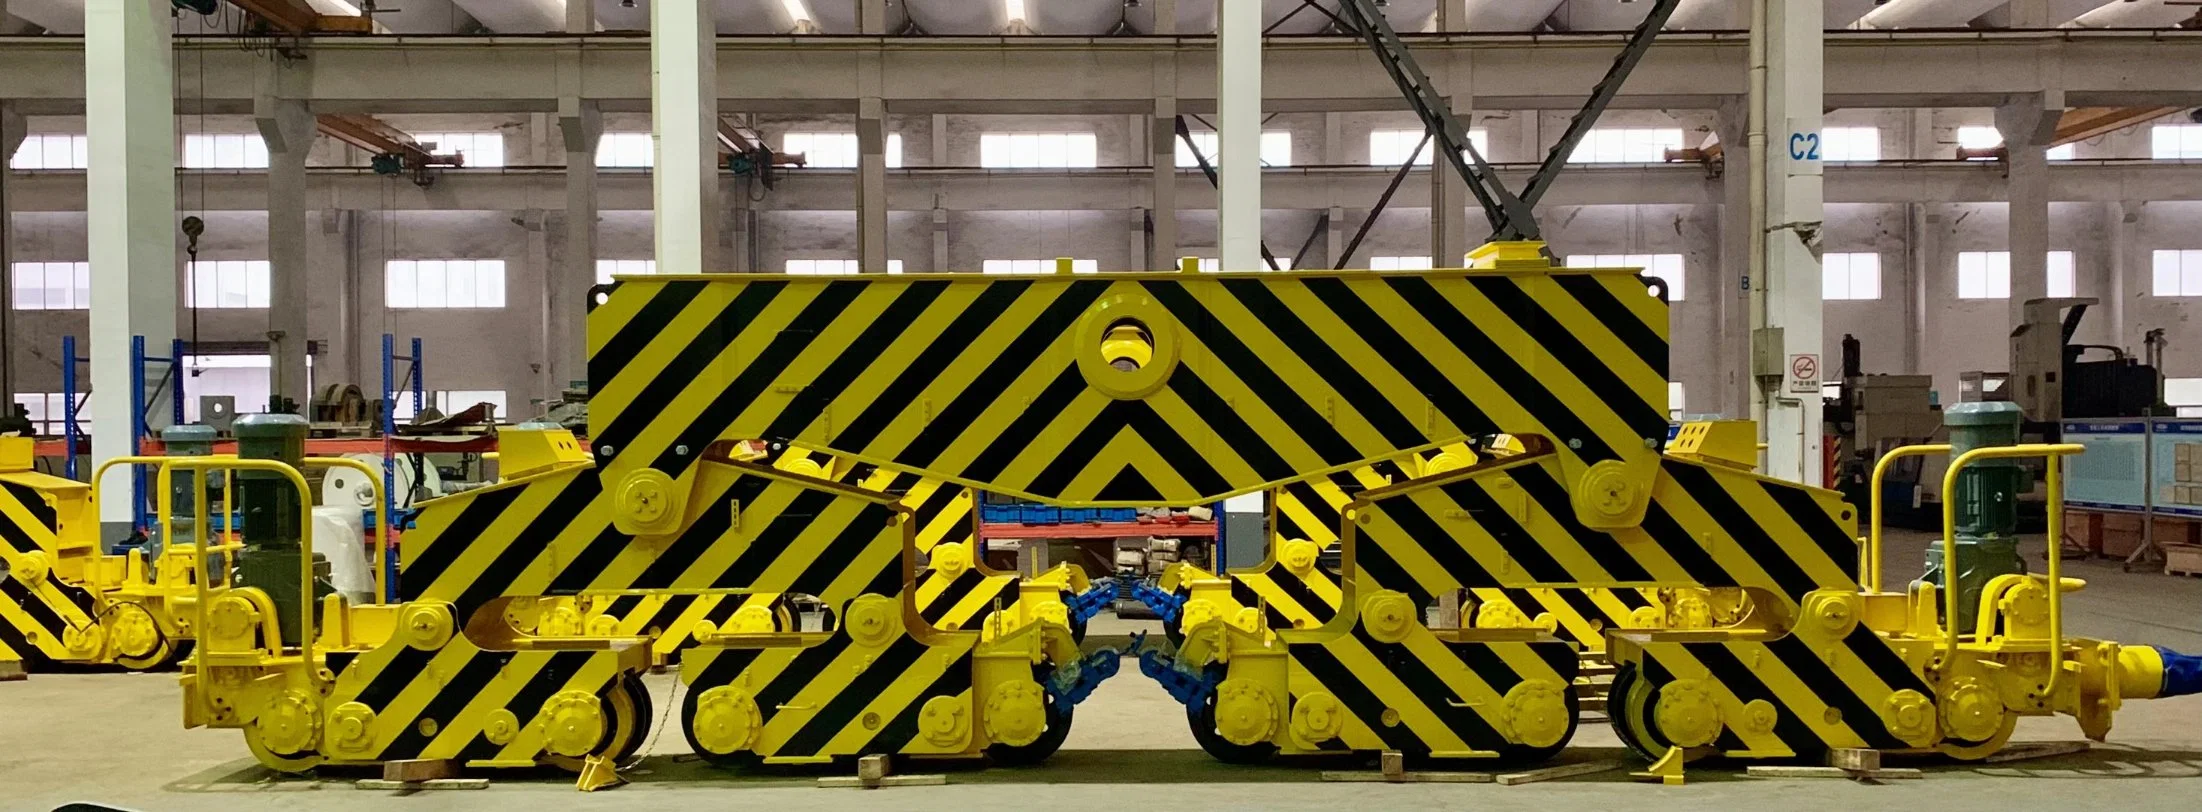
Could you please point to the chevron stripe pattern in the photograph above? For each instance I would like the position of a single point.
(997, 382)
(35, 621)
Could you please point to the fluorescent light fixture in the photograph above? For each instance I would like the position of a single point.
(1015, 9)
(796, 10)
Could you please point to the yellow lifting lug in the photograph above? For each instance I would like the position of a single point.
(646, 502)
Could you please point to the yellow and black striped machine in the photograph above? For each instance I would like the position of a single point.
(822, 608)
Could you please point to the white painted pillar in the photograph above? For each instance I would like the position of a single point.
(288, 128)
(871, 17)
(581, 127)
(871, 184)
(1239, 134)
(1334, 243)
(131, 210)
(580, 18)
(940, 139)
(1791, 221)
(1449, 240)
(2028, 124)
(1733, 293)
(1165, 18)
(12, 133)
(1162, 244)
(684, 113)
(2121, 219)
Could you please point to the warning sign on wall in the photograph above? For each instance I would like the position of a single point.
(1804, 374)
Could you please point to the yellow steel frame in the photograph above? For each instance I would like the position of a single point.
(1869, 556)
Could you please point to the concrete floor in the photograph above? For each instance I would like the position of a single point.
(114, 739)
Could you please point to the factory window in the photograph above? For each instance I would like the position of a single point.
(51, 151)
(1212, 264)
(1399, 263)
(224, 151)
(228, 284)
(1391, 147)
(2184, 394)
(52, 285)
(478, 149)
(1276, 149)
(608, 268)
(444, 283)
(1850, 277)
(2063, 278)
(1984, 275)
(625, 151)
(1627, 146)
(2175, 142)
(451, 402)
(1987, 274)
(2178, 273)
(45, 411)
(1039, 150)
(1850, 144)
(836, 150)
(835, 267)
(1990, 138)
(1027, 266)
(1663, 267)
(1674, 400)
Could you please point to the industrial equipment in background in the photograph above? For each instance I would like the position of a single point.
(2052, 378)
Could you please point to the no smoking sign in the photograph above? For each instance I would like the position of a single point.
(1804, 374)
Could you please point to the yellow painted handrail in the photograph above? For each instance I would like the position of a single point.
(1869, 559)
(2053, 453)
(305, 561)
(382, 518)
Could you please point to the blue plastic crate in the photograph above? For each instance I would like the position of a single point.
(1042, 514)
(1117, 514)
(1078, 515)
(1004, 514)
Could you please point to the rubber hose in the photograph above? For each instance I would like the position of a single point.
(2182, 673)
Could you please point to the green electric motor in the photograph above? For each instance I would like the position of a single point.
(186, 487)
(1986, 498)
(274, 540)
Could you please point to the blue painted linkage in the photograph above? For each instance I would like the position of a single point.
(1164, 604)
(1184, 684)
(1073, 682)
(1089, 603)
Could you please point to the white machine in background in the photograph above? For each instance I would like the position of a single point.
(351, 488)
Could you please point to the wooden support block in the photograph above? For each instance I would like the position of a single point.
(12, 671)
(431, 784)
(2027, 752)
(1777, 771)
(1854, 759)
(1365, 777)
(870, 770)
(853, 782)
(1393, 764)
(1557, 772)
(419, 770)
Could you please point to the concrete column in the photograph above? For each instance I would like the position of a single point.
(1449, 240)
(1239, 135)
(1136, 234)
(12, 133)
(537, 224)
(131, 209)
(871, 185)
(940, 240)
(339, 361)
(581, 127)
(2120, 219)
(1334, 139)
(1162, 244)
(288, 128)
(1921, 236)
(871, 17)
(1733, 285)
(580, 18)
(1165, 18)
(940, 139)
(684, 113)
(1452, 15)
(1794, 210)
(2028, 124)
(2029, 15)
(1334, 244)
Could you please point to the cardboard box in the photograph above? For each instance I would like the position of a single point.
(2170, 530)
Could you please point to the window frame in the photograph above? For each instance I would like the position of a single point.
(416, 271)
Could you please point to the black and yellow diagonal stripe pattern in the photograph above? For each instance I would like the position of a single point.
(1423, 694)
(1509, 524)
(34, 620)
(438, 704)
(1825, 696)
(978, 380)
(835, 696)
